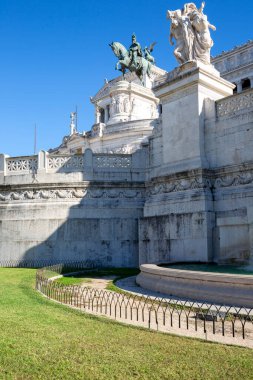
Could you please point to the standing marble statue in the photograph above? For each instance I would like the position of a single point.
(113, 106)
(126, 105)
(190, 29)
(73, 123)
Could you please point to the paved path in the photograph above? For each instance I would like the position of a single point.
(157, 314)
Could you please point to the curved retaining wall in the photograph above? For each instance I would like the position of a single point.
(230, 289)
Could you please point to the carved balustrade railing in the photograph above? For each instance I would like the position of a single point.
(21, 165)
(92, 165)
(63, 163)
(233, 104)
(112, 161)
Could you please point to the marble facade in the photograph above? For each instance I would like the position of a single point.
(164, 174)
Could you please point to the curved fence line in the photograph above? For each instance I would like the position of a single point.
(224, 324)
(49, 264)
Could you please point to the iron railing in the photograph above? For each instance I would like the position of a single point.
(215, 322)
(60, 268)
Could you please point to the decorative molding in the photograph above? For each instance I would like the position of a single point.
(239, 179)
(235, 49)
(180, 185)
(22, 164)
(45, 194)
(211, 182)
(227, 177)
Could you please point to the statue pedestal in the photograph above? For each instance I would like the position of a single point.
(182, 95)
(179, 216)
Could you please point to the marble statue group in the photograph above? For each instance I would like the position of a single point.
(190, 29)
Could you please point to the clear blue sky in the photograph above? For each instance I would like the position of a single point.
(55, 55)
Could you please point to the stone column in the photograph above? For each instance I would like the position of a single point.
(88, 165)
(42, 161)
(97, 115)
(239, 86)
(106, 115)
(251, 82)
(3, 166)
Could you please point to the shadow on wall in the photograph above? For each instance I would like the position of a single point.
(89, 214)
(92, 230)
(102, 228)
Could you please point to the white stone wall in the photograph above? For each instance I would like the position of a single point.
(179, 193)
(229, 131)
(236, 65)
(185, 195)
(71, 208)
(102, 226)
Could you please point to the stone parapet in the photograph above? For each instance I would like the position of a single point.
(50, 168)
(233, 105)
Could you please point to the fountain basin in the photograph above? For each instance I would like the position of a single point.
(218, 288)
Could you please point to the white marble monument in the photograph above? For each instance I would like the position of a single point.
(164, 174)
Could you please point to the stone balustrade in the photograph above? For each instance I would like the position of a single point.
(231, 105)
(115, 161)
(89, 165)
(65, 163)
(18, 165)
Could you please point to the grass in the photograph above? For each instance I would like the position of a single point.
(73, 280)
(43, 340)
(86, 277)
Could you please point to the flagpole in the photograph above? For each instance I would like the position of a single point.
(35, 138)
(76, 118)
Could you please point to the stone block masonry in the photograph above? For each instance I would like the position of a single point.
(185, 195)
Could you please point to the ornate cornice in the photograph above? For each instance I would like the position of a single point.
(179, 185)
(234, 179)
(235, 49)
(69, 193)
(207, 180)
(212, 180)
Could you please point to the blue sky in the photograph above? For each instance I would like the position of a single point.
(55, 55)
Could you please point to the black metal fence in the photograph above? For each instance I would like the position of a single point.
(170, 315)
(61, 268)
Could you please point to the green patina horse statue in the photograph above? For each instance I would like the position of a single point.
(141, 68)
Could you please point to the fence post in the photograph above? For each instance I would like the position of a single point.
(88, 164)
(3, 166)
(42, 161)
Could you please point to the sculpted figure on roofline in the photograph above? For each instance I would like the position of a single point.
(190, 29)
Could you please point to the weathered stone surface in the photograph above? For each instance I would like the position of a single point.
(219, 288)
(185, 195)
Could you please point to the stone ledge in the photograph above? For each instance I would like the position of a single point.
(228, 289)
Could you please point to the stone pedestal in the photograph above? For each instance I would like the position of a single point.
(131, 101)
(179, 214)
(182, 95)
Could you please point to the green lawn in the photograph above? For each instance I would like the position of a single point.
(43, 340)
(86, 277)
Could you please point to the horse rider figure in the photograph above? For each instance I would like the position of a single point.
(134, 52)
